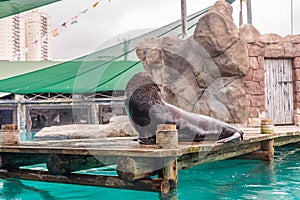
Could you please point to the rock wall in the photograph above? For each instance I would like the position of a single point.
(204, 73)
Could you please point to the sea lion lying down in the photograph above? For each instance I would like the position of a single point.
(146, 108)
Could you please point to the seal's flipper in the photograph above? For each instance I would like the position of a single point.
(235, 137)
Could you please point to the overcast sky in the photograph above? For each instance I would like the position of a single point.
(109, 19)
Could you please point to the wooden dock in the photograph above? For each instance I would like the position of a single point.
(136, 163)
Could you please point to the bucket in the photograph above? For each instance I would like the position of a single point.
(10, 134)
(267, 126)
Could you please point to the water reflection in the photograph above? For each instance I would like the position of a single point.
(13, 189)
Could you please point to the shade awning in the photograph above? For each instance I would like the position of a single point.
(74, 77)
(105, 70)
(12, 7)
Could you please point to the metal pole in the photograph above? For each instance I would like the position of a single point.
(241, 13)
(183, 19)
(249, 12)
(292, 18)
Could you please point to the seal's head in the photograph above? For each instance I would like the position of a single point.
(141, 94)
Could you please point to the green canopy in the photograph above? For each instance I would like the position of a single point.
(12, 7)
(106, 70)
(74, 77)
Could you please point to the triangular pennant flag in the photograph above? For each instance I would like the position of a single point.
(85, 11)
(95, 4)
(55, 32)
(64, 24)
(74, 21)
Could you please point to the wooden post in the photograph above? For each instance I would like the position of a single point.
(65, 164)
(170, 173)
(166, 136)
(268, 146)
(183, 19)
(10, 134)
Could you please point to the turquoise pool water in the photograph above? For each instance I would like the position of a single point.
(229, 179)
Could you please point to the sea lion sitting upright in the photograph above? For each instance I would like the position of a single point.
(146, 108)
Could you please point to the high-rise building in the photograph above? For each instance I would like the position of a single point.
(37, 36)
(26, 36)
(12, 38)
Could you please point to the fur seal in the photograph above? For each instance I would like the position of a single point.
(146, 108)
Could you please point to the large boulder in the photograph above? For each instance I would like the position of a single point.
(249, 33)
(219, 36)
(204, 73)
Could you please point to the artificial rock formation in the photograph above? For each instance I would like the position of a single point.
(204, 73)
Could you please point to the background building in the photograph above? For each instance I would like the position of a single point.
(26, 37)
(12, 38)
(37, 36)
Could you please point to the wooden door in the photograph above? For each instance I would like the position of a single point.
(279, 90)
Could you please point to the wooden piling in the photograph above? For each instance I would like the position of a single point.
(166, 136)
(170, 173)
(268, 146)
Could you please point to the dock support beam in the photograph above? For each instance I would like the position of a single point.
(16, 160)
(65, 164)
(152, 185)
(266, 152)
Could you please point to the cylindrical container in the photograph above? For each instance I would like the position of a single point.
(267, 126)
(10, 134)
(166, 136)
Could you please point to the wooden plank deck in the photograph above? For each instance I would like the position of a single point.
(139, 161)
(127, 146)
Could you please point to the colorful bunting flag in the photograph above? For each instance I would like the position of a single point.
(74, 21)
(55, 32)
(64, 24)
(85, 11)
(95, 4)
